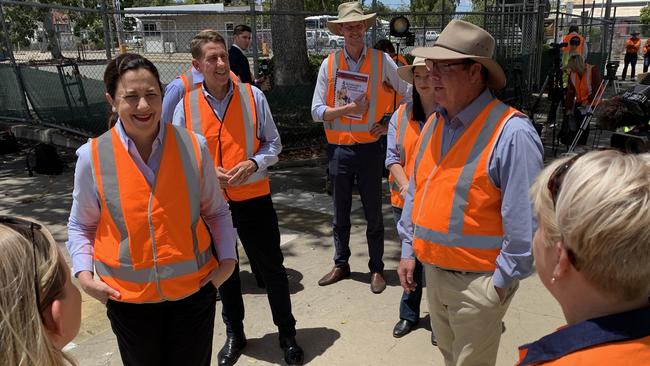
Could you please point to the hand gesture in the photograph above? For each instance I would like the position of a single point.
(359, 106)
(405, 272)
(96, 288)
(223, 177)
(220, 274)
(263, 83)
(240, 172)
(378, 129)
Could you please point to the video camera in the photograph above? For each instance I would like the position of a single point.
(264, 69)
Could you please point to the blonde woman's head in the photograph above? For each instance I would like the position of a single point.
(597, 207)
(40, 308)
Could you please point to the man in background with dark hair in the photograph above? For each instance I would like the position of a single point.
(239, 62)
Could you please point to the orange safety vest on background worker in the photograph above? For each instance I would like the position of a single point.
(232, 140)
(400, 60)
(151, 244)
(347, 131)
(646, 46)
(463, 231)
(632, 45)
(406, 137)
(580, 48)
(387, 95)
(618, 339)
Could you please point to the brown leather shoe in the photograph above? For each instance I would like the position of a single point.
(377, 283)
(335, 275)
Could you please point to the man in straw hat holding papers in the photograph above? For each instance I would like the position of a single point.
(467, 216)
(353, 130)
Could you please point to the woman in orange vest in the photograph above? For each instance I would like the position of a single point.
(584, 80)
(592, 250)
(147, 217)
(403, 131)
(40, 307)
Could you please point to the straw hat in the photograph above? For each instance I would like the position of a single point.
(348, 13)
(461, 40)
(406, 71)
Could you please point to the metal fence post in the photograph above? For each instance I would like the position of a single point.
(254, 35)
(19, 77)
(107, 32)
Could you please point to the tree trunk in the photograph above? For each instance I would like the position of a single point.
(53, 42)
(290, 63)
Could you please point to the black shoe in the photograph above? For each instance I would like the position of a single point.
(402, 328)
(231, 350)
(293, 354)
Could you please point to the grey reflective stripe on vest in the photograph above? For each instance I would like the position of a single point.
(195, 114)
(429, 128)
(108, 172)
(336, 124)
(247, 116)
(455, 236)
(401, 126)
(190, 78)
(148, 275)
(192, 180)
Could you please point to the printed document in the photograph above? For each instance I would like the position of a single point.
(349, 87)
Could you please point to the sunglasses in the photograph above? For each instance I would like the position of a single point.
(29, 226)
(554, 185)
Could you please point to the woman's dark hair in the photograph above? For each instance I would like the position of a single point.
(385, 45)
(418, 111)
(118, 67)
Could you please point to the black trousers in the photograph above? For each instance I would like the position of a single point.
(166, 333)
(257, 227)
(630, 60)
(363, 161)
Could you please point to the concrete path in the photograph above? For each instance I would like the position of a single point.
(342, 324)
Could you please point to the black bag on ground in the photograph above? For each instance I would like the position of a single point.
(8, 143)
(569, 130)
(44, 159)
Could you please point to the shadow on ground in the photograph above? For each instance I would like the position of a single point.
(249, 285)
(315, 341)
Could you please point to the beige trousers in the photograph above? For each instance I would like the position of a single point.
(466, 315)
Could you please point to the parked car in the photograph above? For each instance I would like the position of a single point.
(331, 40)
(431, 35)
(310, 36)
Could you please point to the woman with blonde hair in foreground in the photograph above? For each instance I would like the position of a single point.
(40, 308)
(592, 251)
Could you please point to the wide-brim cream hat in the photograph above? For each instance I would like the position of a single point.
(348, 13)
(406, 71)
(461, 40)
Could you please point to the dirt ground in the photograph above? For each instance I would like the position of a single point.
(342, 324)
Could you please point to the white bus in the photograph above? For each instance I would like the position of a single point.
(318, 21)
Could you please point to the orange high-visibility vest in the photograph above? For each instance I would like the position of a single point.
(151, 244)
(346, 131)
(406, 137)
(232, 140)
(400, 60)
(456, 207)
(617, 339)
(633, 352)
(580, 48)
(582, 84)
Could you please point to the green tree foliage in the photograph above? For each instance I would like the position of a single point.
(477, 7)
(441, 9)
(645, 20)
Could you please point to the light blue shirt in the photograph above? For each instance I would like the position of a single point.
(270, 144)
(389, 75)
(86, 208)
(514, 164)
(174, 93)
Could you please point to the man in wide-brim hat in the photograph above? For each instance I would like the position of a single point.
(632, 47)
(353, 132)
(467, 216)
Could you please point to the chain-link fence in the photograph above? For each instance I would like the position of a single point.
(52, 58)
